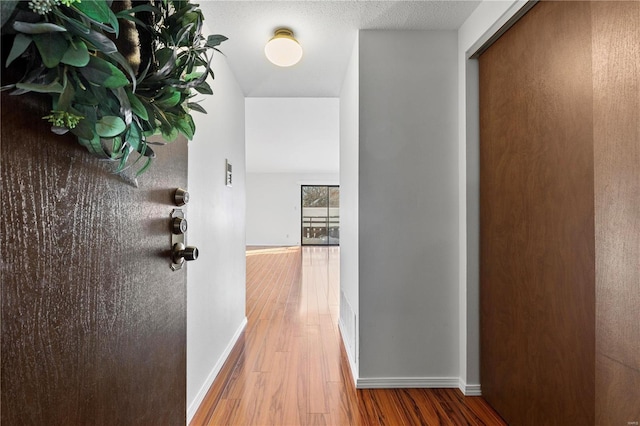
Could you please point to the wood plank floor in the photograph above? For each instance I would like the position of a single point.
(290, 368)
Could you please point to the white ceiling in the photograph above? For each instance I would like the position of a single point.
(291, 130)
(325, 29)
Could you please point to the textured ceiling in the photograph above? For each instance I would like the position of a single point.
(325, 29)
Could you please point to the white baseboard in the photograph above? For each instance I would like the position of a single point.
(195, 404)
(407, 382)
(469, 390)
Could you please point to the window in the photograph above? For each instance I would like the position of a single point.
(320, 215)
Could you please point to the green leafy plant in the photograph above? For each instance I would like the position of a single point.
(112, 100)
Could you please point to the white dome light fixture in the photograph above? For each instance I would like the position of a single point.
(283, 49)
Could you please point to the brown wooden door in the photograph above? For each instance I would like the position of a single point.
(537, 219)
(93, 319)
(616, 84)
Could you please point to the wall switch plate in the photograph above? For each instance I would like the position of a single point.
(228, 169)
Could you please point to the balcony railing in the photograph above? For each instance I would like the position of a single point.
(314, 227)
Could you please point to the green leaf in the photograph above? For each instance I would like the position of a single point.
(94, 146)
(76, 55)
(84, 129)
(123, 160)
(113, 21)
(76, 26)
(196, 107)
(134, 136)
(103, 73)
(117, 56)
(98, 40)
(192, 125)
(170, 99)
(192, 76)
(20, 44)
(101, 42)
(66, 97)
(52, 47)
(186, 126)
(215, 40)
(166, 61)
(170, 134)
(38, 28)
(110, 126)
(124, 106)
(182, 37)
(151, 114)
(160, 116)
(116, 148)
(95, 9)
(6, 10)
(147, 151)
(136, 105)
(54, 87)
(111, 105)
(204, 88)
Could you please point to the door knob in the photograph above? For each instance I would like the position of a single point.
(180, 253)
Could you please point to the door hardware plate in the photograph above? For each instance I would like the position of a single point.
(177, 238)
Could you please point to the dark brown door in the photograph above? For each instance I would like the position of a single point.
(93, 319)
(537, 219)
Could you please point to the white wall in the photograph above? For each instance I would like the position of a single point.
(292, 135)
(408, 159)
(273, 206)
(349, 243)
(290, 142)
(486, 20)
(216, 215)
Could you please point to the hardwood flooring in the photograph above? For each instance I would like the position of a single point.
(290, 368)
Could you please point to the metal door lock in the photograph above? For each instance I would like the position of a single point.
(180, 197)
(179, 251)
(178, 225)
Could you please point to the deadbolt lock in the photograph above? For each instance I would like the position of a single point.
(179, 250)
(178, 225)
(180, 197)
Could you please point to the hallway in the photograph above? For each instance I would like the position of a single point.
(289, 367)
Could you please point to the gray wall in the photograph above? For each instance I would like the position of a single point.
(216, 215)
(407, 175)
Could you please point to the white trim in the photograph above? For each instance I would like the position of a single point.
(352, 364)
(195, 404)
(469, 390)
(407, 382)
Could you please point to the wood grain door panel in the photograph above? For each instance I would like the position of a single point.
(616, 82)
(93, 319)
(537, 215)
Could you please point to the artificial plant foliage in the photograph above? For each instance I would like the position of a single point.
(112, 100)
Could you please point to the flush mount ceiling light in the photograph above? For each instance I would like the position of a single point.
(283, 49)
